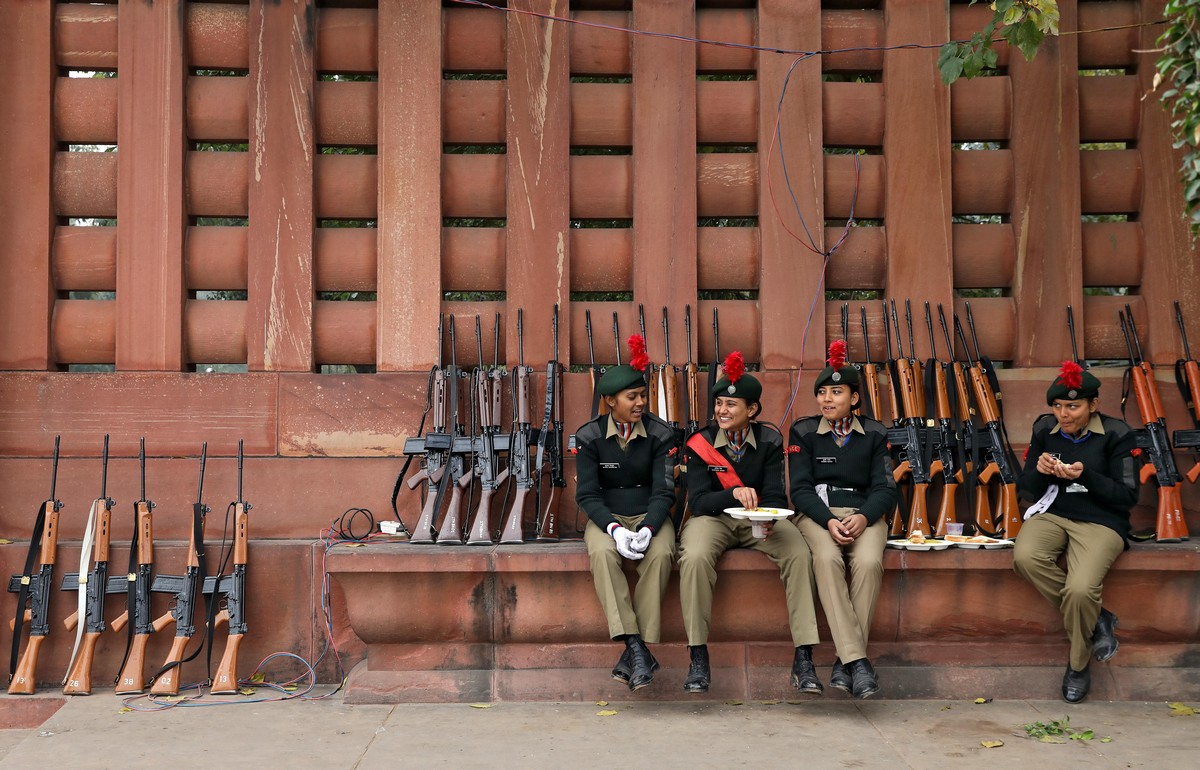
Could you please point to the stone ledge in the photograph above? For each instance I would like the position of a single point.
(523, 623)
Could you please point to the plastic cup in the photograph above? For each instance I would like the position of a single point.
(954, 529)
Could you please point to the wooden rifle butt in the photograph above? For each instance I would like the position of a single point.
(79, 679)
(896, 527)
(481, 529)
(514, 525)
(225, 681)
(1010, 511)
(132, 677)
(422, 532)
(547, 530)
(168, 682)
(918, 512)
(24, 679)
(451, 531)
(946, 510)
(984, 522)
(1169, 525)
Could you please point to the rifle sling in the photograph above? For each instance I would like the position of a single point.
(547, 419)
(130, 596)
(209, 599)
(85, 566)
(35, 544)
(709, 454)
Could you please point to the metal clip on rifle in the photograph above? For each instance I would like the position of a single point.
(88, 619)
(1187, 378)
(1169, 525)
(184, 589)
(34, 588)
(233, 592)
(520, 473)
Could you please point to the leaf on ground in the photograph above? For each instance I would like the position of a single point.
(355, 545)
(983, 700)
(290, 688)
(1181, 709)
(733, 703)
(795, 703)
(601, 703)
(606, 713)
(124, 710)
(769, 702)
(1106, 739)
(246, 691)
(946, 707)
(258, 678)
(1051, 739)
(481, 705)
(991, 744)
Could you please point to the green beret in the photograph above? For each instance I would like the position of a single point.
(847, 375)
(1073, 383)
(619, 378)
(747, 387)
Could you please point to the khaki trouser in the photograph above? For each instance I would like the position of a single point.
(703, 541)
(1091, 549)
(849, 607)
(643, 613)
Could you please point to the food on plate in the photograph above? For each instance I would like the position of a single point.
(917, 537)
(977, 539)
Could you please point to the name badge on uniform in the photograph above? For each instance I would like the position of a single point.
(826, 460)
(1076, 488)
(719, 468)
(610, 466)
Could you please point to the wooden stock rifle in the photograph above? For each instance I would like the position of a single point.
(487, 388)
(232, 589)
(654, 395)
(435, 448)
(996, 458)
(1187, 378)
(184, 590)
(460, 476)
(550, 445)
(520, 472)
(872, 406)
(911, 437)
(945, 444)
(597, 371)
(34, 589)
(691, 380)
(964, 411)
(1157, 454)
(91, 590)
(137, 612)
(715, 370)
(892, 366)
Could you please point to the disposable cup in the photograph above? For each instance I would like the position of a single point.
(955, 529)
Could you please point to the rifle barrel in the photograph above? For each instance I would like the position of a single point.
(617, 337)
(1187, 353)
(1071, 329)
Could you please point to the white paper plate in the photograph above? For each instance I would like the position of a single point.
(761, 514)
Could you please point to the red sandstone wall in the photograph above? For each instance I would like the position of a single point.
(320, 443)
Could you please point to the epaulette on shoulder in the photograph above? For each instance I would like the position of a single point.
(1047, 422)
(1118, 428)
(871, 425)
(805, 425)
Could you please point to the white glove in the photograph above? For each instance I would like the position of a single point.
(641, 541)
(624, 539)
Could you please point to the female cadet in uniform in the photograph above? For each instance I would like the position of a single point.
(1084, 481)
(625, 485)
(739, 463)
(841, 481)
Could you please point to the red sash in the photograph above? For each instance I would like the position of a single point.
(709, 454)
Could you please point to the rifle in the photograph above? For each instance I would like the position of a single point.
(653, 390)
(991, 442)
(599, 405)
(34, 589)
(691, 378)
(550, 443)
(233, 593)
(616, 339)
(487, 390)
(872, 406)
(715, 369)
(891, 365)
(944, 445)
(436, 448)
(668, 392)
(92, 590)
(137, 612)
(912, 439)
(1187, 378)
(1156, 446)
(966, 412)
(519, 470)
(184, 589)
(460, 477)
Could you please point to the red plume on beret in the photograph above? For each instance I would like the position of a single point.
(1071, 375)
(837, 354)
(734, 367)
(637, 350)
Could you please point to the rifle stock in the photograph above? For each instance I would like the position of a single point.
(520, 473)
(225, 681)
(78, 680)
(132, 676)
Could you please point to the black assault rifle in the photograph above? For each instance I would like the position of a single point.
(233, 594)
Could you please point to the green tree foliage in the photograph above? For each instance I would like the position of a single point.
(1021, 23)
(1179, 68)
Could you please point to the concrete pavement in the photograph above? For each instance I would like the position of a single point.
(93, 732)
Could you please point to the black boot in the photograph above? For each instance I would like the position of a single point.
(1076, 684)
(698, 675)
(804, 676)
(840, 678)
(1104, 640)
(643, 663)
(864, 683)
(624, 668)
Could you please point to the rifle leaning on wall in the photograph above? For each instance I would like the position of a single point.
(460, 476)
(1187, 378)
(550, 445)
(88, 619)
(34, 588)
(232, 590)
(491, 442)
(137, 613)
(871, 406)
(520, 472)
(434, 448)
(911, 438)
(184, 590)
(1159, 461)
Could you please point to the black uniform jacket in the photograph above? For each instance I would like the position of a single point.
(858, 474)
(639, 478)
(761, 468)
